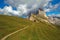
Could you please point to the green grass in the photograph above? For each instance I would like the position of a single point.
(9, 24)
(35, 31)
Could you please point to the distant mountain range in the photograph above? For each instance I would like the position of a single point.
(54, 20)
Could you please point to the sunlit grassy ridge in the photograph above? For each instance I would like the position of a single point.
(9, 24)
(38, 31)
(35, 31)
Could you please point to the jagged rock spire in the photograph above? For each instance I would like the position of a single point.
(40, 14)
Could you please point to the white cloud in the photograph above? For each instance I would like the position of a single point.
(47, 10)
(47, 1)
(22, 8)
(51, 7)
(30, 3)
(8, 10)
(56, 6)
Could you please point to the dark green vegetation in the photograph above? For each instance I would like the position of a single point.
(35, 31)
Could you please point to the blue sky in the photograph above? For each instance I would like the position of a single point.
(55, 2)
(50, 12)
(57, 10)
(3, 4)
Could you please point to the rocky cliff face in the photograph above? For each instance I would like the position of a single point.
(40, 16)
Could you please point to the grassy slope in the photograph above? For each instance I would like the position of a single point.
(38, 31)
(10, 24)
(35, 31)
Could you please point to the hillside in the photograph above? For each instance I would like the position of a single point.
(9, 24)
(35, 31)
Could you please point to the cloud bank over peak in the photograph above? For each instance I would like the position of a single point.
(23, 6)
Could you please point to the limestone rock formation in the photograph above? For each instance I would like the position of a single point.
(41, 15)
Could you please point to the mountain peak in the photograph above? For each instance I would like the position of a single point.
(41, 15)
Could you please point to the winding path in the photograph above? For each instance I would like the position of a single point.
(13, 33)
